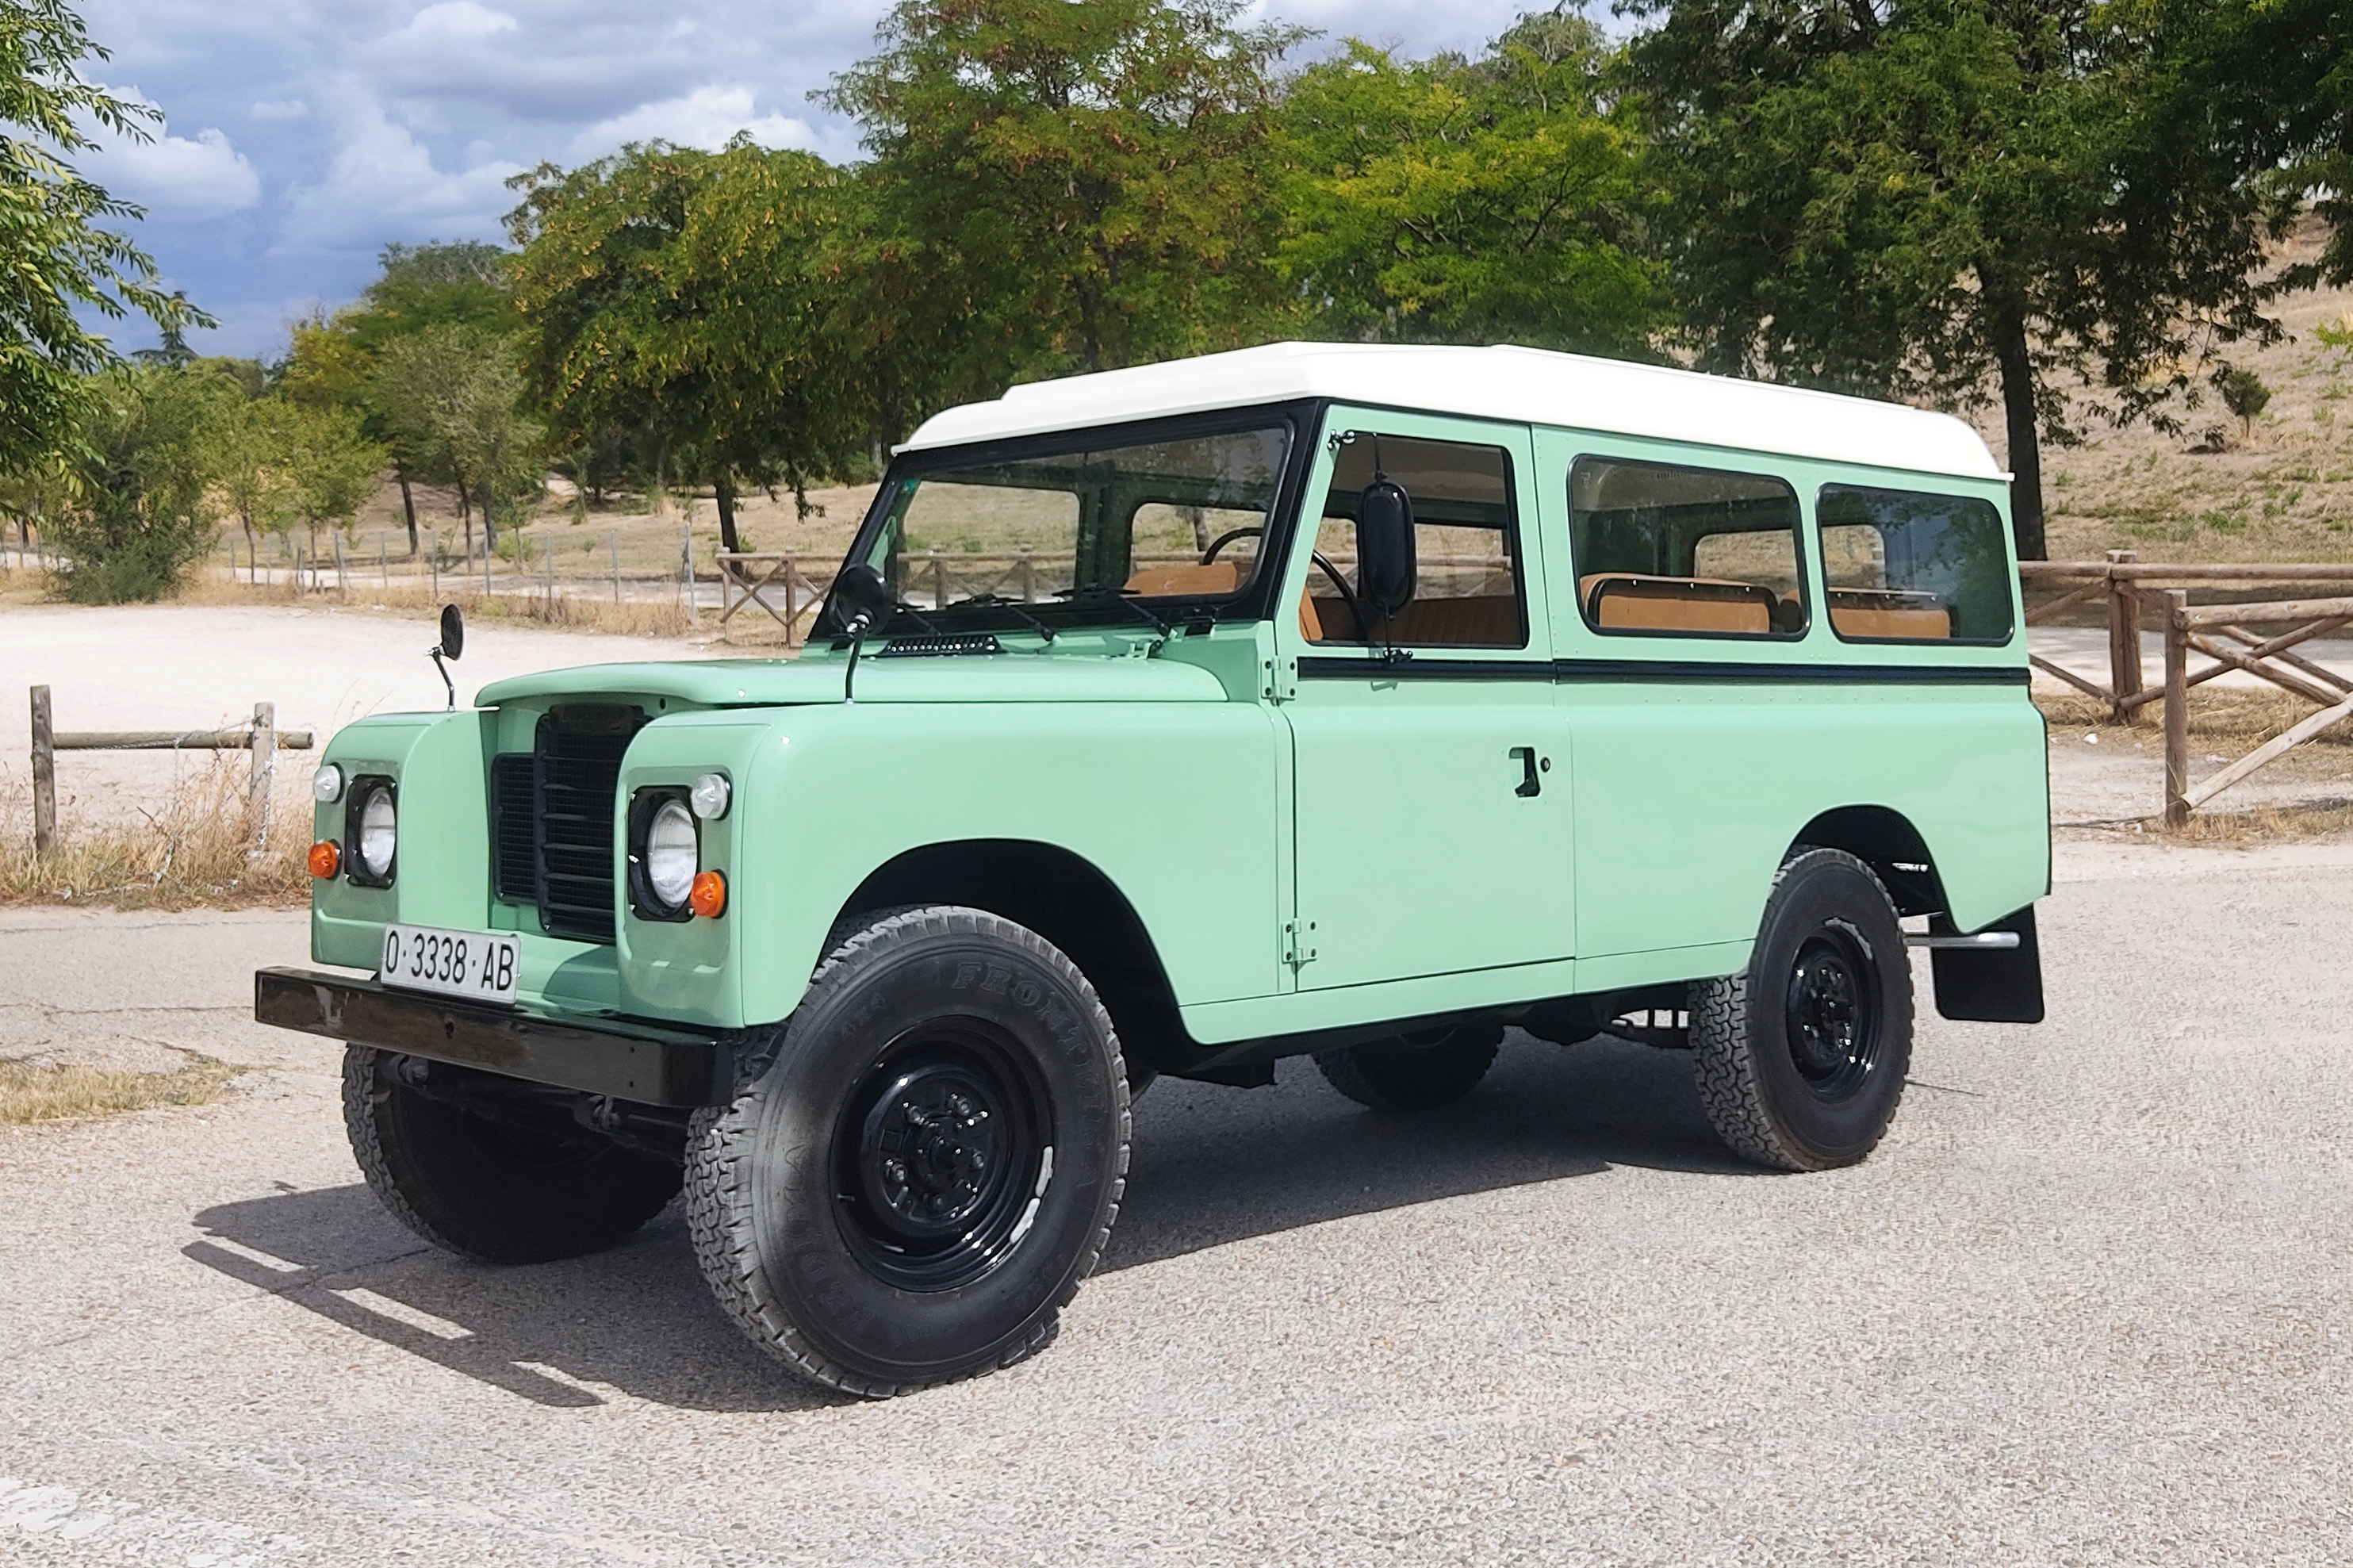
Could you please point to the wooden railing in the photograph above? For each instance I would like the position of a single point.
(260, 742)
(2222, 632)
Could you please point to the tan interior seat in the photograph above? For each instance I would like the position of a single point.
(1888, 612)
(1631, 601)
(1481, 621)
(1217, 576)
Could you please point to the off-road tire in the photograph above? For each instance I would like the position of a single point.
(1413, 1072)
(773, 1203)
(1769, 1097)
(487, 1190)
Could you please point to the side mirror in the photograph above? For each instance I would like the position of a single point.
(1385, 570)
(861, 600)
(453, 631)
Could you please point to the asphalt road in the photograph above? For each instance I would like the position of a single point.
(2088, 1304)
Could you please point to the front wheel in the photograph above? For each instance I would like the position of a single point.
(1802, 1059)
(914, 1188)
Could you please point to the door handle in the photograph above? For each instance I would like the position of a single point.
(1529, 765)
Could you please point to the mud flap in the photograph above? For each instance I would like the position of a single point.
(1998, 985)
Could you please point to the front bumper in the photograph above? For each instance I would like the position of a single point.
(622, 1058)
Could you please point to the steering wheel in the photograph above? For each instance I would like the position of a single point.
(1347, 594)
(1225, 538)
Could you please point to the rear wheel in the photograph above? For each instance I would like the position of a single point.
(513, 1190)
(1802, 1059)
(1425, 1070)
(915, 1187)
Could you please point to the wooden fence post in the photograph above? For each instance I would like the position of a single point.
(686, 555)
(2177, 708)
(264, 772)
(343, 578)
(613, 538)
(433, 560)
(45, 774)
(2124, 637)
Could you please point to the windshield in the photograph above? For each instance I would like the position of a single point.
(1093, 528)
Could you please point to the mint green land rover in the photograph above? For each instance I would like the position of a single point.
(1358, 703)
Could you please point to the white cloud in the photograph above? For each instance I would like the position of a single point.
(175, 177)
(382, 182)
(460, 22)
(281, 109)
(704, 118)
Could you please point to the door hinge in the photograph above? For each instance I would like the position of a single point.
(1279, 680)
(1298, 943)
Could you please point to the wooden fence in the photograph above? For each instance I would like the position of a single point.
(260, 742)
(2224, 634)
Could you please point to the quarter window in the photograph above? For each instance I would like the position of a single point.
(1466, 542)
(1686, 551)
(1911, 566)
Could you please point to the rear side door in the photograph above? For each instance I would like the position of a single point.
(1430, 808)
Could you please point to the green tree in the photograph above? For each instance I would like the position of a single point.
(1443, 200)
(1919, 198)
(685, 294)
(2245, 394)
(332, 468)
(56, 258)
(246, 449)
(142, 478)
(448, 398)
(1065, 183)
(417, 288)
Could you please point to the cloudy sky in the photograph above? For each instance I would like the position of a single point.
(302, 135)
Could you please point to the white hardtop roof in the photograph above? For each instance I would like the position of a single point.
(1527, 386)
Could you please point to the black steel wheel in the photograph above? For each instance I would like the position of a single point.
(1421, 1071)
(915, 1187)
(1801, 1058)
(940, 1155)
(518, 1188)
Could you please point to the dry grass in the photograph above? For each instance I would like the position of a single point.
(32, 1091)
(194, 849)
(2244, 718)
(2227, 723)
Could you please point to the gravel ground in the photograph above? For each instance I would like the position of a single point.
(2087, 1305)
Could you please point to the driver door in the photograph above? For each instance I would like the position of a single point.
(1430, 801)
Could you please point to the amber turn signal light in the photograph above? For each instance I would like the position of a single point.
(708, 895)
(326, 858)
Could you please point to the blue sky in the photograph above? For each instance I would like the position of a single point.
(302, 135)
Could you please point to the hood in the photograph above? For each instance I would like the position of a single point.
(769, 683)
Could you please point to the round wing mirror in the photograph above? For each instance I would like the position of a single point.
(1386, 569)
(453, 631)
(861, 600)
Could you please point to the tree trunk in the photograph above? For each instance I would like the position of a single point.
(723, 490)
(466, 514)
(408, 506)
(2017, 410)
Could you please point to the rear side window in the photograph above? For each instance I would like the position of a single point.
(1907, 566)
(1662, 549)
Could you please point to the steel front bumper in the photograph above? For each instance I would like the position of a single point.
(622, 1058)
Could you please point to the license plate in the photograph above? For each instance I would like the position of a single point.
(477, 965)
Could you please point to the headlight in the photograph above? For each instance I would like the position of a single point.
(671, 854)
(373, 831)
(327, 784)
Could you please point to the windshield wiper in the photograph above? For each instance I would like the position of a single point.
(1103, 593)
(998, 601)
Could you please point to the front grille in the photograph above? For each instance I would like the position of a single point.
(551, 843)
(514, 851)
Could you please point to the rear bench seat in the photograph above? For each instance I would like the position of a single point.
(1888, 612)
(1629, 601)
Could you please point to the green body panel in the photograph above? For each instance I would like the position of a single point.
(1306, 852)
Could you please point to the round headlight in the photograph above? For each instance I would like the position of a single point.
(671, 854)
(709, 797)
(378, 835)
(327, 784)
